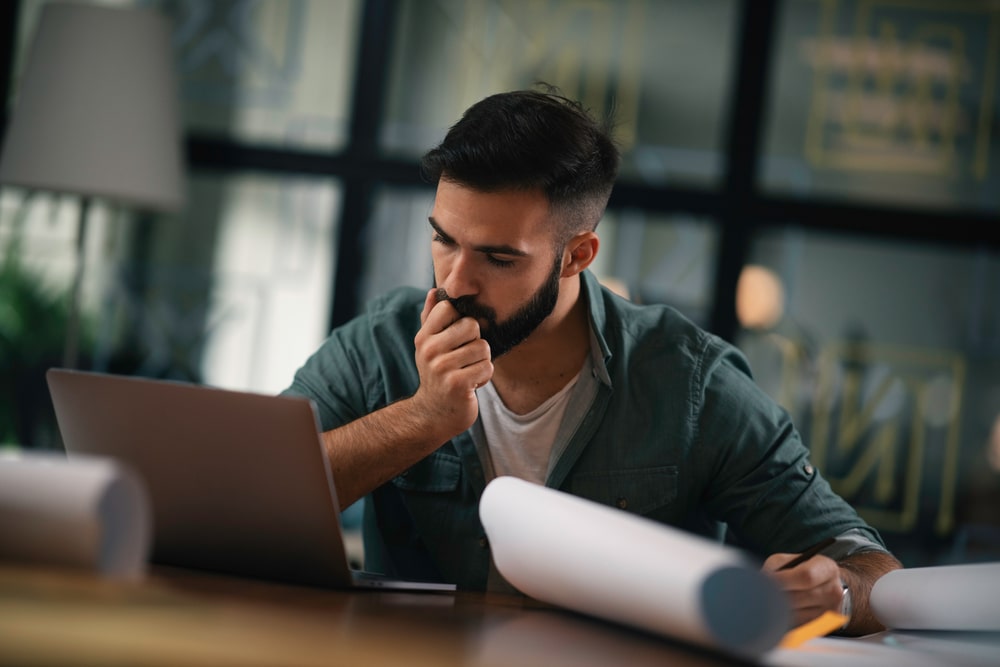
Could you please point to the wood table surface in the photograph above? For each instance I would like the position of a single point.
(52, 616)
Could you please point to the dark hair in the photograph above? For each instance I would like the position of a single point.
(528, 140)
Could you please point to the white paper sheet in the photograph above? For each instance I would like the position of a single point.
(893, 648)
(604, 562)
(844, 652)
(84, 512)
(948, 597)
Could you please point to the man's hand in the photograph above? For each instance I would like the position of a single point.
(816, 586)
(453, 361)
(813, 587)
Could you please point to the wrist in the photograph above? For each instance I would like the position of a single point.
(846, 604)
(422, 423)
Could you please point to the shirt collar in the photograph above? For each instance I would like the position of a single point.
(600, 353)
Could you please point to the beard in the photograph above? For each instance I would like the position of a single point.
(505, 336)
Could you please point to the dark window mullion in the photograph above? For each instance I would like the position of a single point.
(671, 199)
(746, 109)
(370, 86)
(216, 153)
(953, 227)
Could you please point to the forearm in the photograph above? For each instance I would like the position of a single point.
(370, 451)
(452, 361)
(860, 572)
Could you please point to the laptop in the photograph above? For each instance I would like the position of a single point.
(238, 482)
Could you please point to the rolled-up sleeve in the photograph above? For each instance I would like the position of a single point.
(763, 484)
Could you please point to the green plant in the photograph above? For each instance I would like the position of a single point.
(33, 319)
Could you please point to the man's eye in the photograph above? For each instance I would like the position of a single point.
(496, 261)
(439, 239)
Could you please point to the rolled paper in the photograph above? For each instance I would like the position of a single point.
(600, 561)
(85, 512)
(947, 597)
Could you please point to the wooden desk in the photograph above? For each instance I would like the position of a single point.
(61, 617)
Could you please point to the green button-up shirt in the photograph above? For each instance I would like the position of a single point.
(672, 428)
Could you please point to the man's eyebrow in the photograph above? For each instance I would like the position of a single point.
(486, 249)
(441, 232)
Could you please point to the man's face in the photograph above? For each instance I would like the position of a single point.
(503, 336)
(493, 260)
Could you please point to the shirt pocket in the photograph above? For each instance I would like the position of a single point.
(430, 494)
(641, 491)
(437, 473)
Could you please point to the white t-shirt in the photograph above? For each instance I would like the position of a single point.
(521, 445)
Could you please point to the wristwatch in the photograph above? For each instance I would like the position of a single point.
(846, 604)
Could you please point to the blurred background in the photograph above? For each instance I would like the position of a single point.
(817, 181)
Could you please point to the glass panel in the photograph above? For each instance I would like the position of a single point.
(271, 272)
(888, 358)
(663, 66)
(887, 100)
(651, 259)
(37, 261)
(235, 293)
(274, 72)
(659, 259)
(398, 242)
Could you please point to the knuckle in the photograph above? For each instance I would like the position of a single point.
(467, 327)
(436, 365)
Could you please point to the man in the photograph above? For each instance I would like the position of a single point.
(520, 363)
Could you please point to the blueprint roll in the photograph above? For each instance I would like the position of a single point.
(603, 562)
(949, 597)
(83, 512)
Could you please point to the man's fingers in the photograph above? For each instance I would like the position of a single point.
(812, 586)
(465, 356)
(439, 314)
(429, 302)
(474, 352)
(776, 561)
(437, 338)
(452, 357)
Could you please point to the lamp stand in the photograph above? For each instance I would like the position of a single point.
(71, 351)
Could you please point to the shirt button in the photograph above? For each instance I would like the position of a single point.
(484, 543)
(622, 503)
(808, 469)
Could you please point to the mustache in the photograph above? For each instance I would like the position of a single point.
(466, 305)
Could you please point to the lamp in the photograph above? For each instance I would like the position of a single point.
(96, 116)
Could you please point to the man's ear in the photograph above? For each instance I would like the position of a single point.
(580, 251)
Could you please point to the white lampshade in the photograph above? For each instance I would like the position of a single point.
(97, 111)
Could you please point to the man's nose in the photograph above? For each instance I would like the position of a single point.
(460, 279)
